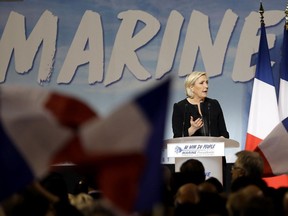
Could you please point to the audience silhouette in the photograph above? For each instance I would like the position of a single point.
(185, 193)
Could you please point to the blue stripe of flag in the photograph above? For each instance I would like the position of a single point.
(15, 173)
(285, 124)
(264, 69)
(284, 59)
(154, 107)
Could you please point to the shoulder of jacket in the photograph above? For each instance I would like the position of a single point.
(211, 100)
(184, 101)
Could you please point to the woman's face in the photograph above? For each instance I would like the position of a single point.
(200, 88)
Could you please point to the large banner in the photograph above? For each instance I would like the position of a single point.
(107, 51)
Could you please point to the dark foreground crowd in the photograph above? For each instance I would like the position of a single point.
(185, 193)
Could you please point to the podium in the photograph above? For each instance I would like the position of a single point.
(209, 150)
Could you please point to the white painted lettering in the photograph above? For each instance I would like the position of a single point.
(169, 44)
(198, 37)
(14, 38)
(249, 43)
(126, 44)
(90, 32)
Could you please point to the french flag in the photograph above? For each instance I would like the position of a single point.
(274, 147)
(34, 125)
(283, 84)
(123, 151)
(264, 112)
(274, 150)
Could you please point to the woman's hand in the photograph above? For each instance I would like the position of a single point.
(195, 125)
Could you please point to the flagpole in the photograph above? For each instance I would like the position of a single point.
(261, 12)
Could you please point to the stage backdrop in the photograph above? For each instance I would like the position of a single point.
(106, 51)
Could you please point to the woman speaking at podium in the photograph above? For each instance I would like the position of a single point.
(198, 115)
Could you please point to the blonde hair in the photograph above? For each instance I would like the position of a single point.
(190, 81)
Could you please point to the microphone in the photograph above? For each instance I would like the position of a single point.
(204, 129)
(183, 124)
(209, 121)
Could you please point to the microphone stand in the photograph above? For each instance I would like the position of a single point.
(204, 119)
(183, 124)
(209, 121)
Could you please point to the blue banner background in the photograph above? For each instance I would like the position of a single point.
(230, 86)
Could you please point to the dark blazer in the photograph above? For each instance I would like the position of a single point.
(212, 115)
